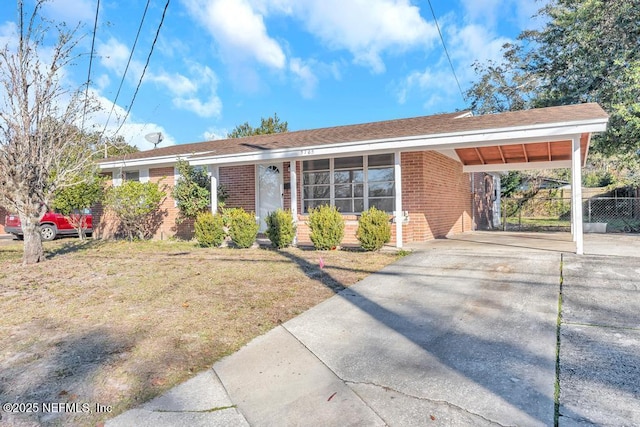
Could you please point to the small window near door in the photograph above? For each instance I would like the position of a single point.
(131, 176)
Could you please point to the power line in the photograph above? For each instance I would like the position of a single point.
(164, 12)
(133, 48)
(447, 52)
(93, 44)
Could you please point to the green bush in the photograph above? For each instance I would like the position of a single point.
(242, 225)
(327, 227)
(209, 229)
(137, 206)
(280, 228)
(374, 229)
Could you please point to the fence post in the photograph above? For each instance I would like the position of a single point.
(589, 209)
(519, 217)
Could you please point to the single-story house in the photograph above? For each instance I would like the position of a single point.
(435, 175)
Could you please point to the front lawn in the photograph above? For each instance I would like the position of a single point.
(117, 323)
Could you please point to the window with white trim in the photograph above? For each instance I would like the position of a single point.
(352, 184)
(131, 176)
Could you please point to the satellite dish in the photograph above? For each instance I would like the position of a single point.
(155, 138)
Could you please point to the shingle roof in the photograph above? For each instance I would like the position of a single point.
(457, 122)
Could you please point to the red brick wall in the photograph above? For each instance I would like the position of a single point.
(436, 193)
(240, 183)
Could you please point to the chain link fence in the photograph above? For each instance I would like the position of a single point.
(613, 214)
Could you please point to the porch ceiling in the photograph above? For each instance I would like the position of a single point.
(525, 153)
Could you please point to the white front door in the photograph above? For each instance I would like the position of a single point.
(269, 191)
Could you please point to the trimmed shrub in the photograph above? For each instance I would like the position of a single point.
(209, 230)
(327, 227)
(280, 228)
(243, 227)
(374, 229)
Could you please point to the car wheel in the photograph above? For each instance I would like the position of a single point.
(19, 236)
(48, 232)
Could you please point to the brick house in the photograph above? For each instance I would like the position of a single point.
(435, 175)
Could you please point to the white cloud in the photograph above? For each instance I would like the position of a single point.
(215, 133)
(365, 28)
(186, 90)
(304, 76)
(101, 82)
(474, 43)
(203, 82)
(176, 83)
(436, 82)
(114, 55)
(9, 35)
(71, 11)
(490, 12)
(132, 131)
(239, 31)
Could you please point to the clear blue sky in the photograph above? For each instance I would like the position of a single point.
(316, 63)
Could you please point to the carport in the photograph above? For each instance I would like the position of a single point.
(560, 143)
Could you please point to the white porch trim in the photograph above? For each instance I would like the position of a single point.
(293, 184)
(214, 173)
(397, 169)
(504, 167)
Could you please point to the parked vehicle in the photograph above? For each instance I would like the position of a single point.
(52, 224)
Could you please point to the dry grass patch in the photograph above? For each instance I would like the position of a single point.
(117, 323)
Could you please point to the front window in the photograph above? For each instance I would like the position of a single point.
(131, 176)
(352, 184)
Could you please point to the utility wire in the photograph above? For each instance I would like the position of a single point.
(133, 48)
(164, 12)
(93, 44)
(447, 52)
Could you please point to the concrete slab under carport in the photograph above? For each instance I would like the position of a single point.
(614, 244)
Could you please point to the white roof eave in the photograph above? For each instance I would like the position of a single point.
(443, 141)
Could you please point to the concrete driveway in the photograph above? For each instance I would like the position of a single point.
(461, 332)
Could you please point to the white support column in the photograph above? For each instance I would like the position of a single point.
(214, 188)
(293, 183)
(576, 190)
(398, 189)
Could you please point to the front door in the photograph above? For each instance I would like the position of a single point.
(269, 191)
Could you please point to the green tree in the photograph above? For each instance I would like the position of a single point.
(74, 202)
(191, 192)
(510, 183)
(503, 86)
(42, 148)
(267, 126)
(137, 206)
(588, 51)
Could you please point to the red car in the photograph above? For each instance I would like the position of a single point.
(52, 224)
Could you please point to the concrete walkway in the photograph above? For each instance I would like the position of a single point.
(461, 332)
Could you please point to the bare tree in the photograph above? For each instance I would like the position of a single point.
(42, 145)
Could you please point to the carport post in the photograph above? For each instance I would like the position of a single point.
(398, 214)
(576, 192)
